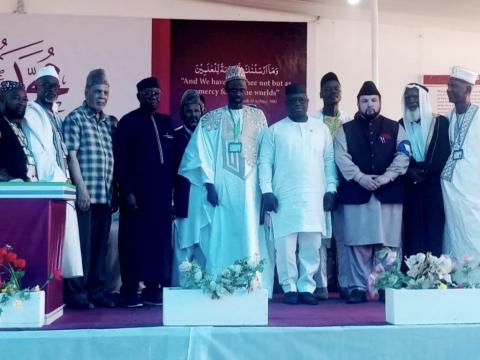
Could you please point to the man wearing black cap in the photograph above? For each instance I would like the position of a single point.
(16, 160)
(333, 117)
(298, 180)
(372, 153)
(144, 170)
(88, 135)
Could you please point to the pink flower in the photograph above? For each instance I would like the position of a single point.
(467, 258)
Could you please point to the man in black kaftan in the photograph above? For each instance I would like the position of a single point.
(423, 212)
(144, 171)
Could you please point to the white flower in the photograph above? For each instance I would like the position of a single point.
(255, 283)
(185, 266)
(213, 285)
(198, 275)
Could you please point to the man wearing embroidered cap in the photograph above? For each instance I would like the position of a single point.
(371, 152)
(423, 212)
(43, 128)
(187, 219)
(16, 160)
(298, 180)
(88, 135)
(460, 180)
(221, 159)
(144, 170)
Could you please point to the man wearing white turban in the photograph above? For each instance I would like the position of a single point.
(423, 213)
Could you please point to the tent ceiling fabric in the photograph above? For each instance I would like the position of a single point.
(458, 9)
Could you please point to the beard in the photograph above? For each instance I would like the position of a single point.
(371, 115)
(412, 116)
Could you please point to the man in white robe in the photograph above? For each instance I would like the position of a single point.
(298, 180)
(460, 176)
(220, 162)
(42, 127)
(334, 118)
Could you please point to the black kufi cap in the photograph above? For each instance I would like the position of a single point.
(330, 76)
(294, 89)
(150, 82)
(368, 88)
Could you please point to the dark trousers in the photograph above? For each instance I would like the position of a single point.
(94, 229)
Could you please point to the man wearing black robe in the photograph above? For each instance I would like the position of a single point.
(423, 212)
(16, 160)
(144, 171)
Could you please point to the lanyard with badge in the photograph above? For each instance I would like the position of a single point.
(458, 153)
(235, 146)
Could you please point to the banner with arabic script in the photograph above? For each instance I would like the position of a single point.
(273, 55)
(75, 45)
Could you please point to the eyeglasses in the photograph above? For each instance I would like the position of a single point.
(150, 93)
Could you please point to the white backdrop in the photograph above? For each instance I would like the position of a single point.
(122, 46)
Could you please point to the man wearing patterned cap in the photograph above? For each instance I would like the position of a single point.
(88, 133)
(298, 180)
(221, 159)
(16, 159)
(333, 117)
(371, 152)
(423, 212)
(43, 128)
(144, 171)
(187, 221)
(460, 180)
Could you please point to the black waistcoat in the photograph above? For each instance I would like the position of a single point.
(12, 155)
(372, 145)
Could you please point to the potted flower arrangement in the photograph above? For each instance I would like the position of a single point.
(19, 307)
(239, 298)
(433, 290)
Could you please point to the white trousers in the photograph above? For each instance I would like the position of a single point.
(321, 277)
(290, 276)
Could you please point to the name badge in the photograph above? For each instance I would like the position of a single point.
(457, 154)
(235, 147)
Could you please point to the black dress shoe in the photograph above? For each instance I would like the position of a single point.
(343, 293)
(321, 293)
(79, 304)
(152, 297)
(357, 296)
(290, 298)
(103, 302)
(132, 300)
(308, 298)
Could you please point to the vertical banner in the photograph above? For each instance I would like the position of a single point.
(437, 85)
(273, 55)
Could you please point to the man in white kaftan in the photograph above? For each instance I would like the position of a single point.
(460, 176)
(220, 162)
(298, 179)
(42, 127)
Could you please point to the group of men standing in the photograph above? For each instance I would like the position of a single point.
(283, 193)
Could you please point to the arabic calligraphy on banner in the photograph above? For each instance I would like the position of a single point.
(22, 61)
(273, 55)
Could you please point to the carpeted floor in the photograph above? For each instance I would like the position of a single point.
(333, 312)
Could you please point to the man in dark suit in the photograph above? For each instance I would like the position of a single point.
(187, 234)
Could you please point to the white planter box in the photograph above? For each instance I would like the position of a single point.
(192, 307)
(19, 313)
(432, 306)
